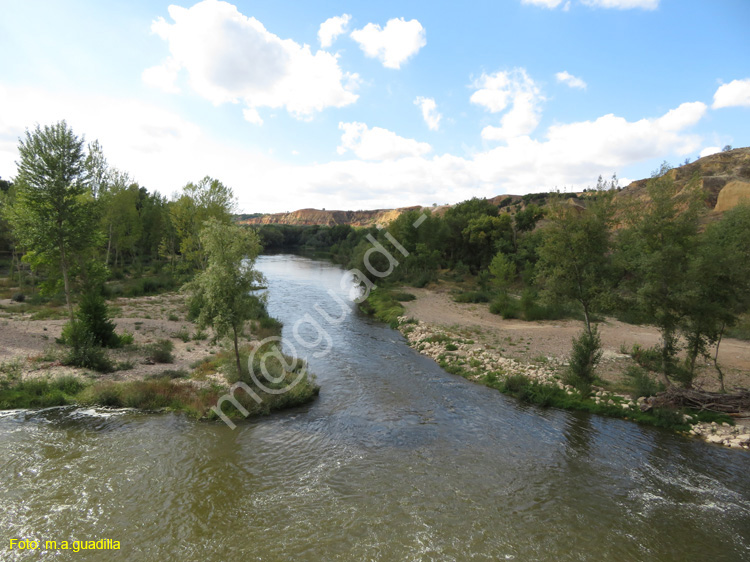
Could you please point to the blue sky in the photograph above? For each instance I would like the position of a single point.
(385, 104)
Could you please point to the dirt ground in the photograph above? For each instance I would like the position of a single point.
(551, 340)
(32, 342)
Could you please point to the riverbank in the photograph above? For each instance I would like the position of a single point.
(169, 363)
(527, 359)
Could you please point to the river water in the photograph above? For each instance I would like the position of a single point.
(397, 460)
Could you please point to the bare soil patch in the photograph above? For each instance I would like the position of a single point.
(532, 341)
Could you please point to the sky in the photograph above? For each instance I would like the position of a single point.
(354, 105)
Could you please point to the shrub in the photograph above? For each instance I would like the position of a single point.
(18, 297)
(585, 356)
(126, 338)
(472, 297)
(642, 382)
(506, 306)
(83, 350)
(93, 314)
(451, 347)
(173, 317)
(160, 352)
(182, 334)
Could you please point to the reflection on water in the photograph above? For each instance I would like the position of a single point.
(397, 460)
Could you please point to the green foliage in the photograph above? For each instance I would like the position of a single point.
(208, 200)
(584, 358)
(39, 393)
(160, 352)
(223, 288)
(643, 383)
(574, 258)
(93, 315)
(658, 248)
(402, 296)
(83, 350)
(52, 215)
(506, 306)
(18, 297)
(382, 305)
(472, 297)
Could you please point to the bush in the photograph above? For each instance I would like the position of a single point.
(18, 297)
(83, 350)
(93, 315)
(160, 352)
(585, 356)
(642, 382)
(451, 347)
(126, 338)
(506, 306)
(182, 334)
(472, 297)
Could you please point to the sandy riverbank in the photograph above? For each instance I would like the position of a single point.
(483, 342)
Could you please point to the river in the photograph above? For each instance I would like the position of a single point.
(397, 460)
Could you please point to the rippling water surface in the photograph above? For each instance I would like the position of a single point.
(397, 460)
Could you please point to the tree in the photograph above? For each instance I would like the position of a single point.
(223, 288)
(209, 198)
(574, 255)
(658, 247)
(721, 274)
(53, 215)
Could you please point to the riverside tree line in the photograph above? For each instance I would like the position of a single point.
(72, 224)
(647, 261)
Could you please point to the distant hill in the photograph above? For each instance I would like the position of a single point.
(725, 176)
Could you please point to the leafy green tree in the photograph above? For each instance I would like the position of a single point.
(209, 198)
(658, 247)
(721, 275)
(484, 236)
(223, 288)
(503, 272)
(575, 253)
(120, 217)
(53, 213)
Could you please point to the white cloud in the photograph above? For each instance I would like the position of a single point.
(158, 147)
(393, 44)
(163, 151)
(332, 28)
(623, 4)
(430, 114)
(378, 143)
(551, 4)
(686, 115)
(734, 94)
(709, 150)
(230, 57)
(569, 80)
(495, 92)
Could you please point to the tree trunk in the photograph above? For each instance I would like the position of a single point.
(237, 353)
(716, 359)
(66, 281)
(665, 358)
(109, 245)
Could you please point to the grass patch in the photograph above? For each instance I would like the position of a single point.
(39, 393)
(403, 296)
(384, 306)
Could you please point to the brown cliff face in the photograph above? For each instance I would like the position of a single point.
(309, 217)
(724, 176)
